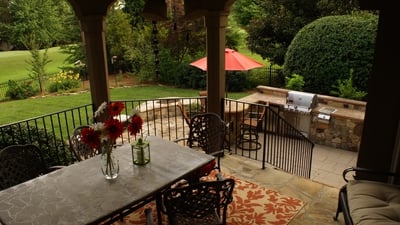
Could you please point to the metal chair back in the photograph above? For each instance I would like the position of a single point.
(20, 163)
(200, 203)
(207, 131)
(81, 150)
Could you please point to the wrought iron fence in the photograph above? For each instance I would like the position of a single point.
(273, 141)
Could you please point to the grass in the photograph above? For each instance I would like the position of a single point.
(13, 65)
(13, 111)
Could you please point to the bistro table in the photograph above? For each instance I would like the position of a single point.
(79, 193)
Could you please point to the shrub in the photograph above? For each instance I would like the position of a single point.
(236, 81)
(64, 81)
(295, 82)
(271, 76)
(345, 89)
(257, 77)
(53, 150)
(325, 50)
(190, 77)
(20, 90)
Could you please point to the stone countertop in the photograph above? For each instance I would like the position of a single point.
(281, 101)
(257, 97)
(342, 112)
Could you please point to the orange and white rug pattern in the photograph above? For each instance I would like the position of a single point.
(252, 205)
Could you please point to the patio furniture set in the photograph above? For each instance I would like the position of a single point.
(62, 195)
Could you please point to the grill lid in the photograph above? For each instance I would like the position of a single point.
(300, 101)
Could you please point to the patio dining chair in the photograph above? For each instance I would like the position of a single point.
(81, 150)
(20, 163)
(228, 125)
(202, 203)
(207, 133)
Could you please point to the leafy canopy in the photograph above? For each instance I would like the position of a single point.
(324, 52)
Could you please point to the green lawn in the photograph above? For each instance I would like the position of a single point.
(14, 66)
(13, 111)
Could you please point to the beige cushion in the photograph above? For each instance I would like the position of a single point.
(373, 203)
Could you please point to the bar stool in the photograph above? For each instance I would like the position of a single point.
(249, 129)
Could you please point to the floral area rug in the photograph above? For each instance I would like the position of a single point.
(252, 205)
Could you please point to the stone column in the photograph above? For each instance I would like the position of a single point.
(93, 38)
(216, 22)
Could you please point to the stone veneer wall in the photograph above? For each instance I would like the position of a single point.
(343, 130)
(343, 133)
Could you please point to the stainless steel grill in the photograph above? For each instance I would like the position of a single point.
(300, 102)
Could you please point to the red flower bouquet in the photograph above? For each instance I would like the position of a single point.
(105, 133)
(101, 136)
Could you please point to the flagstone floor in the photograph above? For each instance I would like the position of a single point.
(320, 192)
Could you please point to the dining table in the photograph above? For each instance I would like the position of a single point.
(80, 194)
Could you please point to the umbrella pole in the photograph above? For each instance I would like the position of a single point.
(226, 84)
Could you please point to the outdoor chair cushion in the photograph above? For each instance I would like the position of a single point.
(373, 203)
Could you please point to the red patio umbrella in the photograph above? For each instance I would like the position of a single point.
(234, 61)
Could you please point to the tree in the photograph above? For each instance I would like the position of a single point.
(119, 38)
(38, 62)
(5, 20)
(38, 18)
(325, 50)
(69, 33)
(243, 11)
(134, 9)
(71, 44)
(235, 36)
(272, 31)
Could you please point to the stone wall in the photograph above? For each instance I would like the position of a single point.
(343, 133)
(342, 130)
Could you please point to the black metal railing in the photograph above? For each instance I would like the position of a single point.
(281, 145)
(275, 141)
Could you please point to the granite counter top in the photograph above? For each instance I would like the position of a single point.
(281, 101)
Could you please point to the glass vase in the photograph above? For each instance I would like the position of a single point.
(109, 164)
(140, 152)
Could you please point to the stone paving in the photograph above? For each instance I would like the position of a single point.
(320, 192)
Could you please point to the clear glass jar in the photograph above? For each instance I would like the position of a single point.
(140, 152)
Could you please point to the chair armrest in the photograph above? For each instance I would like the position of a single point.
(383, 174)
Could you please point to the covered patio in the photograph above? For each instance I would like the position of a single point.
(91, 15)
(380, 146)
